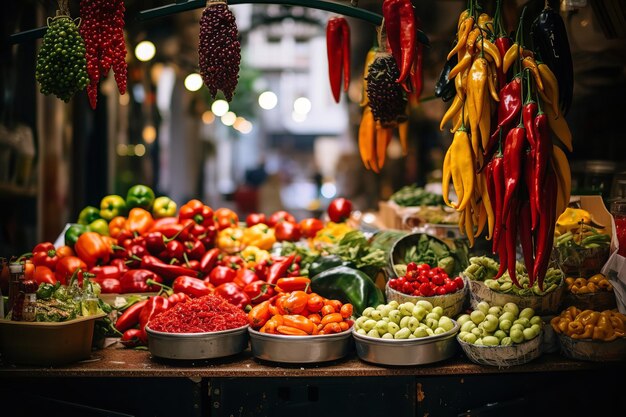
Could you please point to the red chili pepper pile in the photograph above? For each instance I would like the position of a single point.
(517, 156)
(209, 313)
(102, 28)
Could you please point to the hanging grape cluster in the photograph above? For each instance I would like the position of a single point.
(103, 31)
(219, 51)
(387, 99)
(61, 65)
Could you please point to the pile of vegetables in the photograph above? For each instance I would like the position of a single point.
(506, 160)
(428, 250)
(594, 284)
(604, 326)
(422, 280)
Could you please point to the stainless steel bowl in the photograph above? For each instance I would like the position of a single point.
(400, 352)
(300, 349)
(197, 346)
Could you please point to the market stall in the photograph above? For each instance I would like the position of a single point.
(481, 296)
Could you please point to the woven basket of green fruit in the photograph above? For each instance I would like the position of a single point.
(483, 287)
(501, 336)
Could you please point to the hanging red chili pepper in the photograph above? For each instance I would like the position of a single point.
(547, 220)
(513, 152)
(400, 26)
(338, 52)
(509, 108)
(543, 150)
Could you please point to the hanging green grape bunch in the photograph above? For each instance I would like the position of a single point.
(61, 64)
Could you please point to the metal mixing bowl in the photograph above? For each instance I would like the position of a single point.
(400, 352)
(300, 349)
(196, 346)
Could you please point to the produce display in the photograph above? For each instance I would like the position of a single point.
(603, 326)
(422, 280)
(208, 313)
(412, 195)
(508, 175)
(485, 269)
(219, 52)
(102, 28)
(299, 313)
(403, 321)
(499, 325)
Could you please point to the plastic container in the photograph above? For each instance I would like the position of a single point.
(46, 344)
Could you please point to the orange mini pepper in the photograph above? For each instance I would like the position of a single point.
(139, 221)
(116, 226)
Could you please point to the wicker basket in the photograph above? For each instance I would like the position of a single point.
(593, 350)
(453, 304)
(579, 261)
(597, 301)
(503, 356)
(542, 304)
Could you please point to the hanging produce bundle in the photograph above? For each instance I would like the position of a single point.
(338, 51)
(219, 51)
(103, 31)
(60, 68)
(506, 161)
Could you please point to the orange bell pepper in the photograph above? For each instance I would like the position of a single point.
(92, 249)
(139, 221)
(116, 226)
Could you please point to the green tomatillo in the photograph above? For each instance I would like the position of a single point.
(112, 206)
(140, 196)
(163, 207)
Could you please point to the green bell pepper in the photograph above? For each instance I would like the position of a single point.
(163, 207)
(112, 206)
(99, 226)
(88, 215)
(140, 196)
(73, 233)
(323, 263)
(348, 285)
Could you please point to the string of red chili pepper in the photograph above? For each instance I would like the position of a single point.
(102, 29)
(210, 313)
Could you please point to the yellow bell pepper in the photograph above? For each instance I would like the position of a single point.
(252, 255)
(331, 233)
(229, 239)
(260, 235)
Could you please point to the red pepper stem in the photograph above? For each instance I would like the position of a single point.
(164, 288)
(186, 259)
(24, 256)
(168, 240)
(529, 95)
(117, 247)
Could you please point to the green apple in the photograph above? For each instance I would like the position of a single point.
(446, 323)
(432, 323)
(536, 327)
(507, 315)
(358, 323)
(523, 321)
(462, 335)
(512, 308)
(367, 311)
(506, 341)
(500, 334)
(386, 310)
(413, 323)
(373, 333)
(463, 318)
(469, 338)
(468, 326)
(381, 327)
(490, 324)
(430, 331)
(495, 310)
(419, 312)
(404, 322)
(505, 325)
(479, 342)
(437, 310)
(412, 336)
(527, 313)
(483, 306)
(490, 341)
(392, 327)
(477, 331)
(517, 336)
(425, 304)
(420, 332)
(535, 320)
(530, 333)
(387, 336)
(477, 316)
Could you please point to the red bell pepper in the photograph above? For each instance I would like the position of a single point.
(109, 285)
(43, 247)
(120, 264)
(134, 280)
(106, 271)
(155, 305)
(44, 254)
(92, 249)
(43, 274)
(196, 211)
(194, 287)
(173, 250)
(164, 223)
(167, 271)
(194, 249)
(233, 294)
(244, 277)
(338, 53)
(67, 266)
(209, 260)
(259, 291)
(130, 316)
(221, 274)
(134, 337)
(279, 269)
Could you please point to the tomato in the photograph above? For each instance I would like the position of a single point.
(44, 274)
(279, 217)
(441, 291)
(221, 275)
(339, 210)
(426, 290)
(458, 281)
(255, 218)
(411, 266)
(225, 217)
(437, 279)
(66, 267)
(309, 227)
(450, 287)
(423, 268)
(287, 231)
